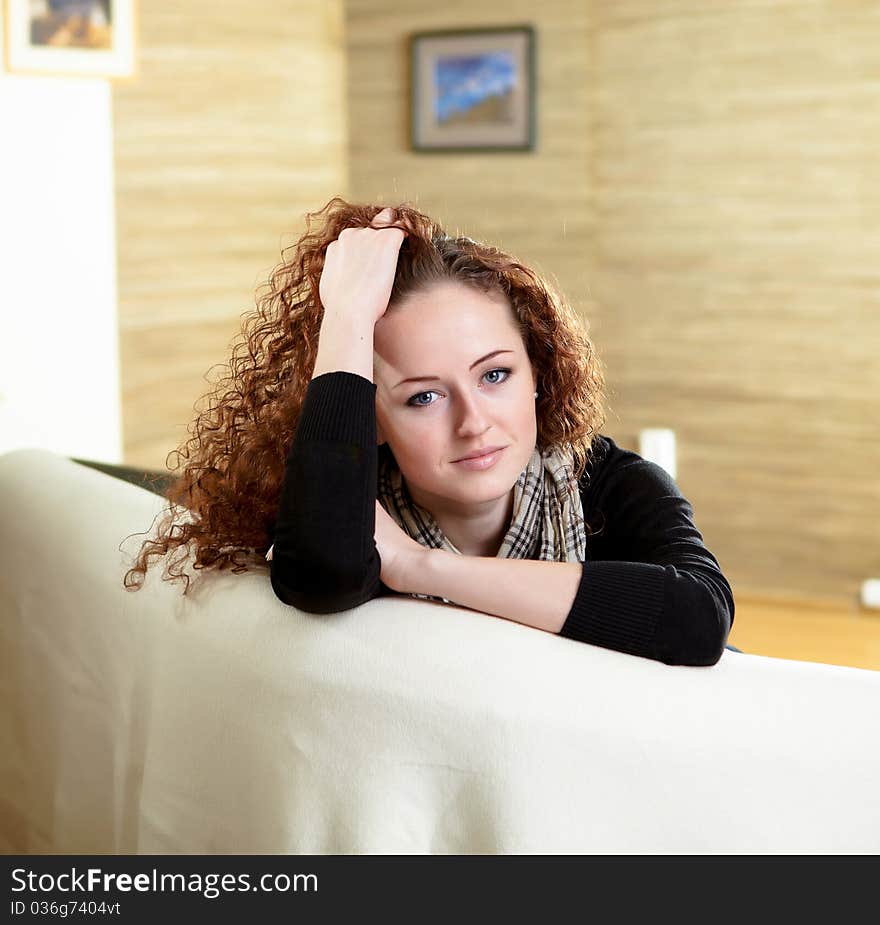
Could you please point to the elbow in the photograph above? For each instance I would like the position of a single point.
(308, 602)
(698, 620)
(710, 652)
(322, 592)
(705, 632)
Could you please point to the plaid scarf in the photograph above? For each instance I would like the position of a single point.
(547, 521)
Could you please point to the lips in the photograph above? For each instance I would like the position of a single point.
(483, 451)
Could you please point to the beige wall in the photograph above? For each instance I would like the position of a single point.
(232, 129)
(705, 188)
(739, 195)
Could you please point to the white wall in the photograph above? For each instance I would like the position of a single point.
(59, 354)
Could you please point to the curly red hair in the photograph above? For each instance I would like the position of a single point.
(225, 501)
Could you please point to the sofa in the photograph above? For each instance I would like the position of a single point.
(225, 721)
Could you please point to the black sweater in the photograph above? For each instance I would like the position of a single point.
(649, 586)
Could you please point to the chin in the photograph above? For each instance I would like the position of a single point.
(487, 486)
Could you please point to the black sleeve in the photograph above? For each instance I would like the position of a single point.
(324, 558)
(652, 588)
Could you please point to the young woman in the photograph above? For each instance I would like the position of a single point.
(419, 414)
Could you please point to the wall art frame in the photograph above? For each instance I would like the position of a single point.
(70, 38)
(473, 89)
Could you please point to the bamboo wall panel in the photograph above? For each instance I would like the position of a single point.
(738, 191)
(537, 204)
(233, 127)
(706, 189)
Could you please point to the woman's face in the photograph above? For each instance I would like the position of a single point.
(473, 387)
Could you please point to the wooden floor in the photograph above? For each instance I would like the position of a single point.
(807, 631)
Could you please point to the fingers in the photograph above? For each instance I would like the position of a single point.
(383, 218)
(380, 220)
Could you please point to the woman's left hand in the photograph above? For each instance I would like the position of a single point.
(399, 553)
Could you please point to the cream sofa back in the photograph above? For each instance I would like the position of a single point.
(228, 722)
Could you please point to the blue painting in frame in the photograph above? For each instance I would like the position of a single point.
(473, 89)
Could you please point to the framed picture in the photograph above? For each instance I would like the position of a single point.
(80, 38)
(473, 89)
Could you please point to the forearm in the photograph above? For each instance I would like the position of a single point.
(323, 553)
(533, 592)
(345, 344)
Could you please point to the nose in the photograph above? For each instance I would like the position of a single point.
(471, 417)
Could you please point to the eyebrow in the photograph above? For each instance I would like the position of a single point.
(488, 356)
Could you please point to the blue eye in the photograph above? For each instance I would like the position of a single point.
(413, 403)
(497, 381)
(418, 404)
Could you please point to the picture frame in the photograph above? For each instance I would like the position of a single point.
(473, 89)
(72, 38)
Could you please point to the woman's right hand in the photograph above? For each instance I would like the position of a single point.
(359, 269)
